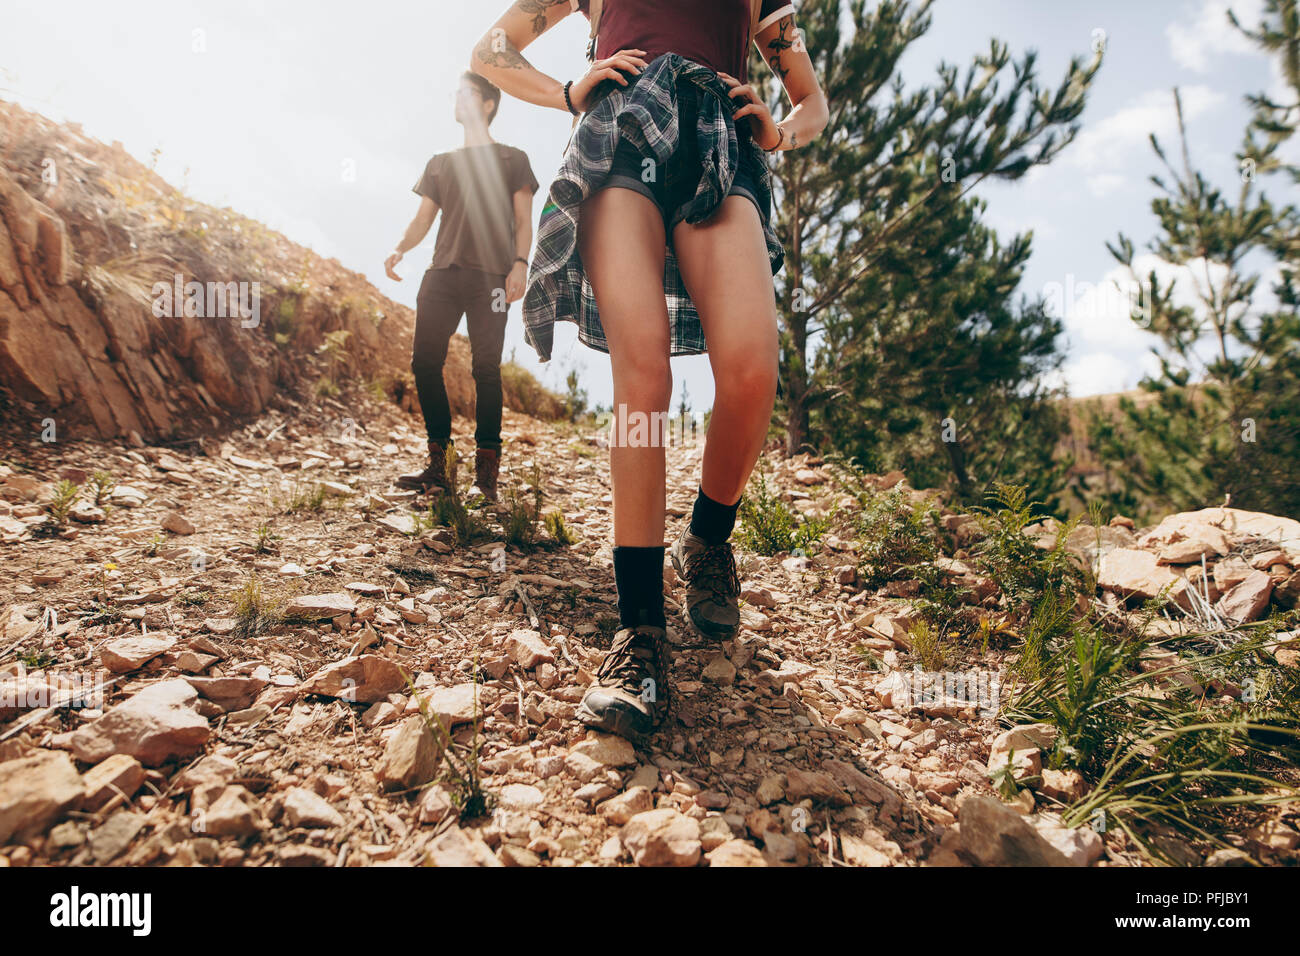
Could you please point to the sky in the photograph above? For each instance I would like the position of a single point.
(317, 116)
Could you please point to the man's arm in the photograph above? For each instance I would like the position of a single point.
(517, 281)
(414, 235)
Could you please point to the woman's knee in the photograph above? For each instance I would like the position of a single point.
(646, 381)
(746, 383)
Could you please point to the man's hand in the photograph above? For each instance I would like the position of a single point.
(391, 263)
(516, 282)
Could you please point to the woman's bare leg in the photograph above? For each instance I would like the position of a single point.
(725, 267)
(621, 239)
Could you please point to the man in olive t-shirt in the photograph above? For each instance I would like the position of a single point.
(480, 265)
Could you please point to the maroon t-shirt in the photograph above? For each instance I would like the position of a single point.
(712, 32)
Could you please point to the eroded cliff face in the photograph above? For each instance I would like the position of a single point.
(89, 237)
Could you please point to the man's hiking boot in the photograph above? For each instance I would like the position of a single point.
(629, 696)
(712, 586)
(487, 463)
(433, 478)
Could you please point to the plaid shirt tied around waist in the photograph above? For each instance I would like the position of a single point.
(646, 113)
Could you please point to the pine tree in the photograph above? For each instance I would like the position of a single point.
(1222, 417)
(873, 210)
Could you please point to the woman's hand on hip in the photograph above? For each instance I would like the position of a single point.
(761, 123)
(613, 68)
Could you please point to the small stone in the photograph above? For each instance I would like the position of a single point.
(411, 757)
(315, 607)
(720, 671)
(124, 654)
(662, 837)
(528, 649)
(736, 853)
(365, 679)
(622, 808)
(456, 848)
(606, 749)
(231, 814)
(114, 835)
(303, 808)
(520, 796)
(35, 791)
(176, 524)
(120, 774)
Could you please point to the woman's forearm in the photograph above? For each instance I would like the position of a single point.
(805, 121)
(496, 59)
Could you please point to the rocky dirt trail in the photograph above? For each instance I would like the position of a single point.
(289, 731)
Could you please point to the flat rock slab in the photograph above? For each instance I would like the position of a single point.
(316, 607)
(35, 791)
(154, 726)
(125, 654)
(365, 679)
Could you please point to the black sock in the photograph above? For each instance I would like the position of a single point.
(639, 577)
(712, 521)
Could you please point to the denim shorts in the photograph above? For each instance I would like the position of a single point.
(672, 189)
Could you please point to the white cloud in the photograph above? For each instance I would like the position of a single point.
(1106, 146)
(1199, 36)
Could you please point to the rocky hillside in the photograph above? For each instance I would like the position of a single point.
(235, 657)
(89, 236)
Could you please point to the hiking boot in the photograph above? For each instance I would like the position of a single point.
(630, 694)
(712, 586)
(487, 463)
(432, 478)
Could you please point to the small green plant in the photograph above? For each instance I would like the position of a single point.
(928, 647)
(448, 511)
(460, 772)
(256, 612)
(65, 496)
(326, 387)
(558, 529)
(265, 538)
(522, 511)
(310, 498)
(102, 484)
(1013, 559)
(156, 542)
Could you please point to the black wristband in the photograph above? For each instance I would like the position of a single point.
(521, 259)
(569, 102)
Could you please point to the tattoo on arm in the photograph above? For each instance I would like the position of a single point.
(537, 10)
(779, 44)
(499, 51)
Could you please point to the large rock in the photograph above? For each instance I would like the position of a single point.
(35, 791)
(1134, 573)
(993, 834)
(662, 837)
(1234, 524)
(1247, 600)
(365, 679)
(154, 726)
